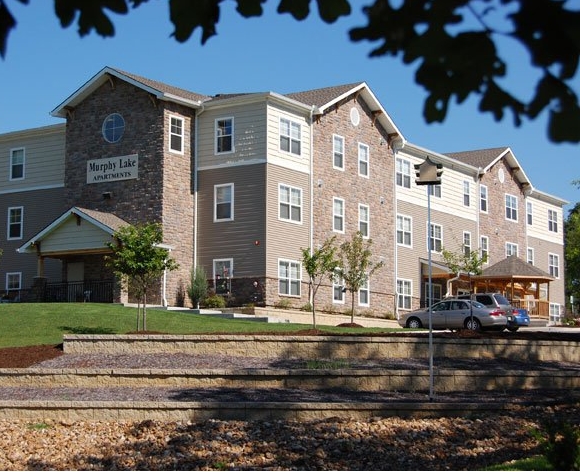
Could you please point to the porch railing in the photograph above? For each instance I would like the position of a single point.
(536, 308)
(100, 291)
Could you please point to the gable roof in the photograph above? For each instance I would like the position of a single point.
(107, 222)
(514, 267)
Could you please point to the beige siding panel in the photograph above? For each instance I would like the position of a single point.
(44, 159)
(542, 249)
(539, 227)
(70, 237)
(242, 239)
(249, 135)
(286, 239)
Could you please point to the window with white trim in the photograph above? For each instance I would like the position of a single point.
(364, 294)
(466, 193)
(223, 196)
(363, 160)
(484, 248)
(555, 312)
(435, 239)
(17, 164)
(364, 220)
(403, 172)
(530, 255)
(290, 136)
(511, 249)
(13, 281)
(404, 230)
(176, 134)
(483, 198)
(15, 222)
(466, 243)
(511, 207)
(404, 291)
(290, 203)
(434, 190)
(289, 276)
(223, 271)
(554, 265)
(224, 135)
(338, 215)
(529, 213)
(338, 291)
(337, 152)
(553, 221)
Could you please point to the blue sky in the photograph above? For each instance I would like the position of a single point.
(45, 64)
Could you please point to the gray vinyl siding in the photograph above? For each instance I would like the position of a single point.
(286, 239)
(234, 239)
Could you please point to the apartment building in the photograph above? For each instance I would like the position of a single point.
(241, 183)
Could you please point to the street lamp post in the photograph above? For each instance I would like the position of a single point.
(429, 173)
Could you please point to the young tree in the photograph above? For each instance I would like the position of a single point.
(319, 264)
(356, 266)
(139, 260)
(197, 288)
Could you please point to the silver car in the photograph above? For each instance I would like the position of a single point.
(456, 314)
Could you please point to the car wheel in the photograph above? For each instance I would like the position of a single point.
(473, 324)
(414, 323)
(513, 329)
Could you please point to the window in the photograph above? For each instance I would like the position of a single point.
(466, 192)
(224, 202)
(15, 222)
(555, 314)
(363, 220)
(290, 200)
(13, 281)
(338, 215)
(224, 135)
(437, 293)
(484, 248)
(435, 238)
(530, 255)
(403, 171)
(467, 243)
(17, 164)
(364, 293)
(434, 190)
(363, 160)
(113, 128)
(404, 230)
(552, 221)
(176, 133)
(337, 287)
(338, 152)
(511, 207)
(223, 271)
(289, 278)
(404, 294)
(290, 136)
(511, 249)
(554, 265)
(529, 213)
(483, 198)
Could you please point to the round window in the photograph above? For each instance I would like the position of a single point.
(113, 128)
(501, 176)
(354, 116)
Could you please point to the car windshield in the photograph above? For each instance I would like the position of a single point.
(477, 304)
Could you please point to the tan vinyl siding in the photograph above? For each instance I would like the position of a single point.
(539, 228)
(242, 239)
(285, 239)
(542, 249)
(74, 237)
(249, 135)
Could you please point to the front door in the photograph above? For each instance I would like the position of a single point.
(75, 275)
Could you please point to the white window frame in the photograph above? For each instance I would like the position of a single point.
(434, 190)
(404, 294)
(338, 152)
(289, 135)
(364, 291)
(293, 281)
(483, 199)
(435, 239)
(364, 221)
(466, 193)
(363, 160)
(554, 265)
(511, 207)
(467, 243)
(555, 312)
(484, 247)
(338, 293)
(290, 203)
(17, 159)
(402, 231)
(403, 173)
(338, 216)
(553, 221)
(10, 223)
(220, 135)
(229, 262)
(177, 131)
(530, 255)
(511, 249)
(9, 278)
(529, 213)
(216, 189)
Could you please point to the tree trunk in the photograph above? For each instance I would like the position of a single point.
(145, 312)
(352, 308)
(138, 313)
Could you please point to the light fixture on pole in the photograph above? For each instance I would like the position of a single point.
(429, 173)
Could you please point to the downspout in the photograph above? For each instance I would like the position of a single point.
(311, 229)
(195, 184)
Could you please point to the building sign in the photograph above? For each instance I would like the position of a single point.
(112, 168)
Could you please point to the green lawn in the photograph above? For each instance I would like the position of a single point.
(29, 324)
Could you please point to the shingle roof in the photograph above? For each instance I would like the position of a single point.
(479, 158)
(322, 96)
(107, 219)
(513, 266)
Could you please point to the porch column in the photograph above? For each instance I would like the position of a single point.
(40, 266)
